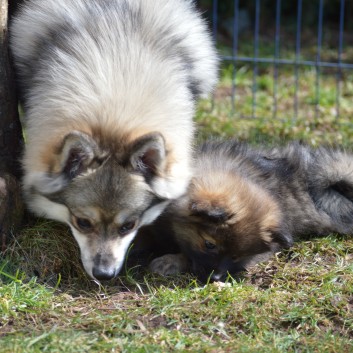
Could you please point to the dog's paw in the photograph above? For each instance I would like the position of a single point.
(170, 264)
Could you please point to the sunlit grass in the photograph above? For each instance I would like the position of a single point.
(252, 117)
(301, 300)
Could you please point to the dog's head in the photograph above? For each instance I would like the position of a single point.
(226, 228)
(104, 197)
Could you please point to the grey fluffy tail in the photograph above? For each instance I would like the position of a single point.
(330, 175)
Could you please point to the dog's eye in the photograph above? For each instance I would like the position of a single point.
(209, 245)
(127, 227)
(84, 224)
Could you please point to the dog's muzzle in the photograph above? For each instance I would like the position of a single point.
(105, 267)
(103, 273)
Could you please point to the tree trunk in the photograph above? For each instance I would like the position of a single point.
(11, 139)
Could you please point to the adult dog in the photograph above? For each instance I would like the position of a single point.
(109, 90)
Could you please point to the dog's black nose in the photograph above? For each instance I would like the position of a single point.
(103, 274)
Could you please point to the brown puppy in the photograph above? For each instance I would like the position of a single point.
(244, 203)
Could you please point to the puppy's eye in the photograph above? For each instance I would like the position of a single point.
(209, 245)
(84, 224)
(127, 227)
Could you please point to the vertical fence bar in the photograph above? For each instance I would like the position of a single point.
(276, 57)
(235, 50)
(256, 55)
(297, 57)
(318, 58)
(340, 48)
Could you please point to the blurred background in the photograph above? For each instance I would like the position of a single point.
(287, 64)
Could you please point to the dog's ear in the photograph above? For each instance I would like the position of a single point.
(209, 213)
(77, 152)
(148, 155)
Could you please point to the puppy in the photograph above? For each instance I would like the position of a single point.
(245, 203)
(109, 90)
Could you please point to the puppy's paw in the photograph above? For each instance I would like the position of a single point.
(170, 264)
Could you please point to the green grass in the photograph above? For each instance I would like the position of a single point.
(316, 120)
(299, 301)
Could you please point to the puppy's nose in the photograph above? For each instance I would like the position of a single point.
(103, 274)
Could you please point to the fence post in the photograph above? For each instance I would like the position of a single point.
(11, 139)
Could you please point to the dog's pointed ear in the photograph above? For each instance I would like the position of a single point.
(148, 155)
(77, 152)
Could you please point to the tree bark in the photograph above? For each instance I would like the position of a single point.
(11, 138)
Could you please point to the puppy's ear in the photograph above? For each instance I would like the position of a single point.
(209, 213)
(76, 154)
(148, 155)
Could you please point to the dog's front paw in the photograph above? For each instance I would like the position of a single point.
(170, 264)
